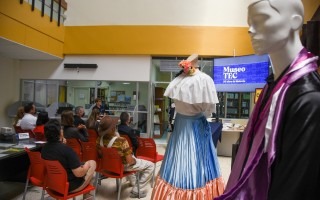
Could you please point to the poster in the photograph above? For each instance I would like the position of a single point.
(257, 94)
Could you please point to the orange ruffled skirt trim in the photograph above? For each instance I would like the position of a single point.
(164, 191)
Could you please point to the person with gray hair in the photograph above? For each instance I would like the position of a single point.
(79, 113)
(78, 121)
(277, 156)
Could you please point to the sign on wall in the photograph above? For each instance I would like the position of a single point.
(240, 74)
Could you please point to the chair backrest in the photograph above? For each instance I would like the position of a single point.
(128, 139)
(93, 135)
(36, 172)
(18, 129)
(75, 144)
(89, 151)
(112, 162)
(56, 177)
(147, 148)
(39, 136)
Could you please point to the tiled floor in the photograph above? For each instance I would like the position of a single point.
(107, 189)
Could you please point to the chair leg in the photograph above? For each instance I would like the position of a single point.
(96, 184)
(117, 183)
(42, 194)
(25, 189)
(153, 176)
(138, 183)
(119, 187)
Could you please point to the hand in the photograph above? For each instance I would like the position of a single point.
(81, 126)
(63, 140)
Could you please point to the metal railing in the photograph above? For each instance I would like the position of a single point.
(53, 8)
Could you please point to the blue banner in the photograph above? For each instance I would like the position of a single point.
(240, 74)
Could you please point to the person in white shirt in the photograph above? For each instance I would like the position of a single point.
(28, 122)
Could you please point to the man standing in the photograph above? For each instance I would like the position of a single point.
(277, 157)
(28, 121)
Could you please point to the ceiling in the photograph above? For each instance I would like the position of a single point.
(17, 51)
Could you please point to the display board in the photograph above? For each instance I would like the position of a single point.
(240, 74)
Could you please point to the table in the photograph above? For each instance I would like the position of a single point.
(228, 138)
(14, 161)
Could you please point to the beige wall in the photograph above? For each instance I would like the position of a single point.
(9, 87)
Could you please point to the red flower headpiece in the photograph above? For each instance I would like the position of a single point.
(187, 67)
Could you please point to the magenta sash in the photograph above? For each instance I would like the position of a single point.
(250, 174)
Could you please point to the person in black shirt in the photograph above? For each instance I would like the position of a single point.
(79, 174)
(78, 121)
(79, 113)
(125, 129)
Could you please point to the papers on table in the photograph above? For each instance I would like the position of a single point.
(5, 146)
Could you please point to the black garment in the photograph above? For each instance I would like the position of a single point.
(78, 120)
(73, 132)
(68, 159)
(132, 133)
(295, 172)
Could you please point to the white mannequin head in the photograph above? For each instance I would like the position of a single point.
(274, 29)
(274, 24)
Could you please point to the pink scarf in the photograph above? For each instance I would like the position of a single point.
(250, 175)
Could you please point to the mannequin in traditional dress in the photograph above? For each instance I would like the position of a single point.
(190, 169)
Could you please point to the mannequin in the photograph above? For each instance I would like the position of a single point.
(275, 159)
(277, 36)
(190, 169)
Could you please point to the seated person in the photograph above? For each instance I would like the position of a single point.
(28, 121)
(79, 113)
(125, 129)
(107, 134)
(69, 130)
(92, 122)
(19, 116)
(78, 121)
(41, 121)
(79, 174)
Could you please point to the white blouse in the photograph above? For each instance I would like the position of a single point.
(193, 94)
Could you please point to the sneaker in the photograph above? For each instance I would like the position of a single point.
(136, 194)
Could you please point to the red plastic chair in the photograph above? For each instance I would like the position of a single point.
(18, 130)
(75, 144)
(93, 135)
(112, 166)
(36, 172)
(147, 150)
(39, 136)
(89, 151)
(56, 183)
